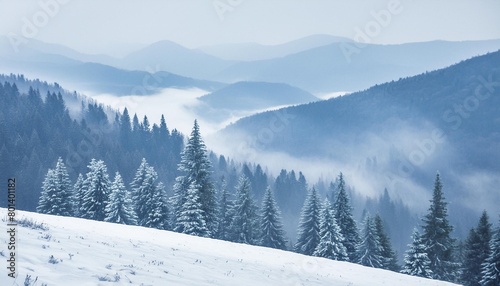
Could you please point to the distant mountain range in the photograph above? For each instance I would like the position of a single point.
(90, 73)
(255, 52)
(345, 67)
(318, 64)
(172, 57)
(398, 134)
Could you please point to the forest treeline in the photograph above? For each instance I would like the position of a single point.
(222, 199)
(327, 227)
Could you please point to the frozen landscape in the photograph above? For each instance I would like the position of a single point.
(232, 142)
(88, 252)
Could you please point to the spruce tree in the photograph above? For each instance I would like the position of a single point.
(244, 226)
(164, 132)
(163, 206)
(120, 208)
(437, 238)
(97, 189)
(125, 129)
(369, 250)
(78, 192)
(272, 233)
(308, 231)
(195, 168)
(491, 267)
(390, 261)
(225, 213)
(139, 193)
(57, 196)
(147, 198)
(191, 220)
(48, 197)
(331, 240)
(155, 217)
(477, 249)
(345, 220)
(416, 261)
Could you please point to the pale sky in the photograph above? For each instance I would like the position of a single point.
(112, 26)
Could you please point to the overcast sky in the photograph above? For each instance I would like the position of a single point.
(106, 26)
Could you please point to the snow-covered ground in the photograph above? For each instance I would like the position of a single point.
(84, 252)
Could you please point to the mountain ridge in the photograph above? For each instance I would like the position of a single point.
(396, 135)
(345, 67)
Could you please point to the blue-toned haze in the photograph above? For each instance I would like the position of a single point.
(117, 27)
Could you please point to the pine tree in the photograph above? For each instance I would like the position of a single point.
(343, 215)
(225, 214)
(331, 240)
(148, 201)
(78, 192)
(437, 238)
(477, 249)
(97, 189)
(196, 168)
(369, 250)
(163, 206)
(390, 261)
(272, 234)
(56, 197)
(125, 129)
(491, 268)
(164, 132)
(139, 193)
(120, 208)
(47, 203)
(416, 261)
(191, 220)
(308, 231)
(244, 226)
(157, 206)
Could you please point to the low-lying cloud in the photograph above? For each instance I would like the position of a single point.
(403, 158)
(177, 105)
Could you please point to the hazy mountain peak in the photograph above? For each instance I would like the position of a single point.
(255, 51)
(248, 95)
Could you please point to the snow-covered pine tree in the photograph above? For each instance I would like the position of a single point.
(164, 206)
(195, 168)
(78, 192)
(308, 231)
(139, 194)
(477, 249)
(491, 268)
(158, 214)
(48, 196)
(436, 237)
(244, 226)
(369, 250)
(416, 261)
(147, 200)
(225, 215)
(390, 260)
(191, 220)
(331, 240)
(97, 189)
(120, 208)
(56, 197)
(272, 233)
(345, 220)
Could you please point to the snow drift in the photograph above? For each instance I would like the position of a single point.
(72, 251)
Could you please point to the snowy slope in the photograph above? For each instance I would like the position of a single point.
(89, 253)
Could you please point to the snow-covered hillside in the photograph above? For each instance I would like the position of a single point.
(72, 251)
